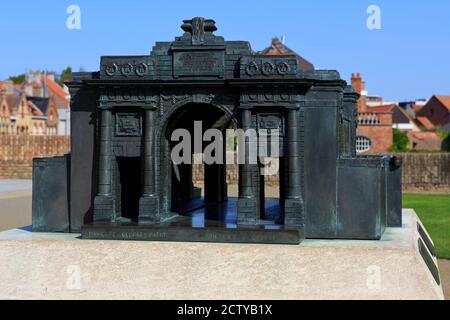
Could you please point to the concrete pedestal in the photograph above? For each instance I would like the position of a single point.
(61, 266)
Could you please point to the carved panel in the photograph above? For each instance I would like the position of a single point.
(202, 63)
(271, 122)
(128, 124)
(270, 127)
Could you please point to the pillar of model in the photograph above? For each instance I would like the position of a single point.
(148, 203)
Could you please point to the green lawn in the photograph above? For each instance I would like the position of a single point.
(434, 212)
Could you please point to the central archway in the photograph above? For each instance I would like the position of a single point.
(178, 192)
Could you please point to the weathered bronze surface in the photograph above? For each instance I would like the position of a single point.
(181, 229)
(122, 178)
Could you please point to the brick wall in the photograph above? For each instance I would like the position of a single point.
(17, 152)
(428, 172)
(381, 136)
(232, 174)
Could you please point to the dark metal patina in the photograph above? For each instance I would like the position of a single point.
(122, 181)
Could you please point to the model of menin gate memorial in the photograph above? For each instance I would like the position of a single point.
(119, 182)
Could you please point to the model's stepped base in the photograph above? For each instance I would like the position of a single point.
(61, 266)
(181, 229)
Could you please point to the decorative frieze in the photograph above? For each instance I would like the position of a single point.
(292, 96)
(133, 67)
(255, 66)
(127, 96)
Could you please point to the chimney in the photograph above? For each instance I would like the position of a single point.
(8, 87)
(360, 87)
(357, 82)
(51, 76)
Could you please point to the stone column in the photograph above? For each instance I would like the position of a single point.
(103, 202)
(294, 203)
(148, 209)
(246, 206)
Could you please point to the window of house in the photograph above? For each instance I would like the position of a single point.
(363, 144)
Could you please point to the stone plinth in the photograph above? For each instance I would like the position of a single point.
(62, 266)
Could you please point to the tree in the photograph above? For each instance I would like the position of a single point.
(18, 79)
(66, 75)
(401, 141)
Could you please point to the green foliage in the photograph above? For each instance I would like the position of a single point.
(18, 79)
(66, 75)
(434, 212)
(401, 141)
(445, 136)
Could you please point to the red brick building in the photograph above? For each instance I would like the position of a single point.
(374, 133)
(437, 110)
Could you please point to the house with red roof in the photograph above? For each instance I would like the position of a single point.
(21, 114)
(424, 123)
(436, 110)
(400, 118)
(43, 84)
(374, 133)
(278, 48)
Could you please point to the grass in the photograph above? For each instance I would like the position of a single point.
(434, 212)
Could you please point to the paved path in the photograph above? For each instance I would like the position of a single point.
(15, 204)
(14, 185)
(444, 271)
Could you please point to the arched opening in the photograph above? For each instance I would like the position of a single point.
(196, 190)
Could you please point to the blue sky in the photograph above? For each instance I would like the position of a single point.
(408, 58)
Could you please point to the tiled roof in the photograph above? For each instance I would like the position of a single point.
(40, 103)
(417, 107)
(61, 96)
(12, 100)
(278, 49)
(425, 122)
(423, 140)
(384, 108)
(53, 86)
(445, 100)
(35, 110)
